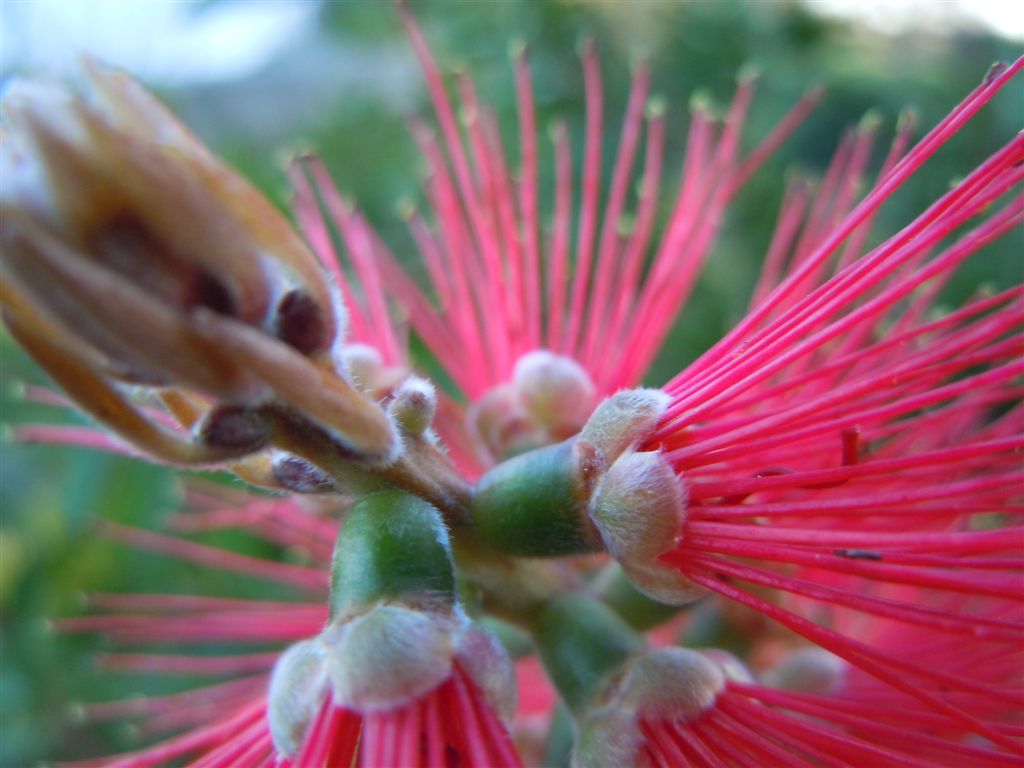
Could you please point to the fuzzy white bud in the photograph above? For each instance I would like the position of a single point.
(667, 684)
(555, 390)
(625, 419)
(298, 686)
(639, 507)
(485, 660)
(389, 656)
(413, 405)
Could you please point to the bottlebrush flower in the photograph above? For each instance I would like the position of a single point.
(505, 310)
(845, 462)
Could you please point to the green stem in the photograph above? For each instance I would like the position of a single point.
(582, 643)
(391, 546)
(535, 504)
(619, 594)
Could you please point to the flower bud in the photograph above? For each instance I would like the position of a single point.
(382, 660)
(501, 426)
(555, 390)
(389, 656)
(639, 507)
(486, 661)
(130, 253)
(670, 683)
(233, 426)
(297, 686)
(365, 368)
(413, 405)
(624, 419)
(298, 475)
(128, 190)
(732, 666)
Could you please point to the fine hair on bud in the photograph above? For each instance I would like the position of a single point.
(413, 405)
(624, 419)
(556, 391)
(389, 656)
(639, 507)
(297, 686)
(670, 683)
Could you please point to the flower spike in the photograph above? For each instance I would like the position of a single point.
(824, 507)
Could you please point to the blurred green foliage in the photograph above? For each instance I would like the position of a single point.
(50, 555)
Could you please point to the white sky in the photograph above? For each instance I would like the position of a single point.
(161, 41)
(1004, 17)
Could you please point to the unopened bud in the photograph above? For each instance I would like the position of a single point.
(131, 192)
(807, 670)
(501, 425)
(366, 369)
(486, 661)
(381, 660)
(668, 684)
(624, 419)
(639, 507)
(300, 322)
(732, 667)
(298, 686)
(671, 683)
(389, 656)
(555, 390)
(413, 405)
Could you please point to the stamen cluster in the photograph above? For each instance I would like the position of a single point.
(804, 549)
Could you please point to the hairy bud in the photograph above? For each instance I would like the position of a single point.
(639, 507)
(555, 390)
(297, 686)
(670, 683)
(624, 420)
(413, 405)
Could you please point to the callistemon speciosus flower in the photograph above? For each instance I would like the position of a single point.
(531, 335)
(844, 463)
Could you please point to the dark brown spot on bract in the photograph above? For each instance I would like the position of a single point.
(234, 426)
(300, 323)
(300, 476)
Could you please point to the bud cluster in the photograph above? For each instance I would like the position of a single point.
(594, 492)
(842, 464)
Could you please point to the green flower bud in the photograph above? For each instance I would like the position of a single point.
(413, 405)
